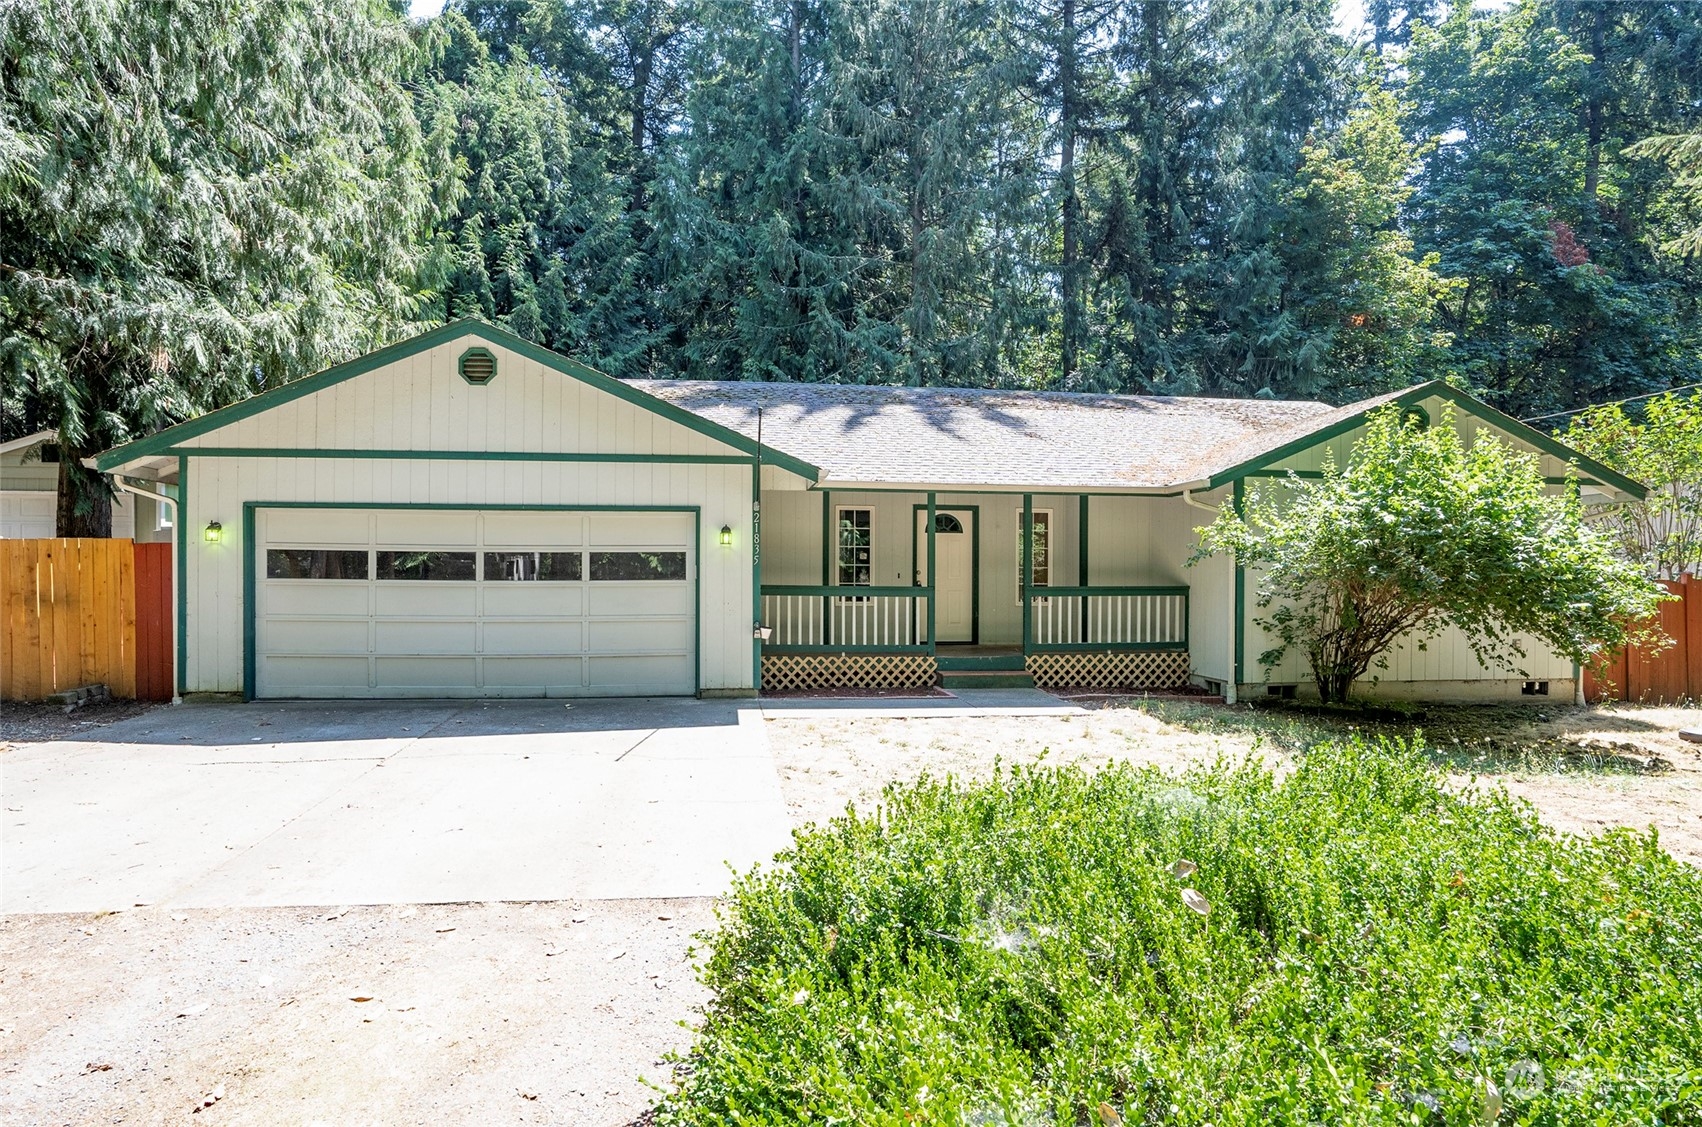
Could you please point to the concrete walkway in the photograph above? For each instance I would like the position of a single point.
(962, 702)
(234, 805)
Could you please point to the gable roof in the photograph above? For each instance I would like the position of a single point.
(162, 441)
(884, 437)
(888, 437)
(876, 436)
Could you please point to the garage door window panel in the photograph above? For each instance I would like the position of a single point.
(534, 567)
(316, 563)
(630, 567)
(428, 566)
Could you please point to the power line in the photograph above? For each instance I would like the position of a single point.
(1610, 403)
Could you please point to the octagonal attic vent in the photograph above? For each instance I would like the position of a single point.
(477, 366)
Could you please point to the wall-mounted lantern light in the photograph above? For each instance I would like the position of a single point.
(726, 536)
(213, 532)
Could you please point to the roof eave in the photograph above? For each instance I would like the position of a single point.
(1621, 487)
(164, 440)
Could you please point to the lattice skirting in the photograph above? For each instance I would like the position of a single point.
(783, 673)
(1148, 669)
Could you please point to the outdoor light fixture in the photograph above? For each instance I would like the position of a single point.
(726, 536)
(214, 529)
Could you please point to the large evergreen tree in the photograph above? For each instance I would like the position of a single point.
(197, 200)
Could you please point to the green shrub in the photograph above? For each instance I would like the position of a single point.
(1377, 950)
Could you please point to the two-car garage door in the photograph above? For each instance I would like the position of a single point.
(455, 602)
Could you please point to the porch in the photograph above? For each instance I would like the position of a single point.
(1091, 597)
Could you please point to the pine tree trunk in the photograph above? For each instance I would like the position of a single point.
(1069, 110)
(1595, 111)
(84, 505)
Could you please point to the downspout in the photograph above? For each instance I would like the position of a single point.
(1229, 686)
(159, 498)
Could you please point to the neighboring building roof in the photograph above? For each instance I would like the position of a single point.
(885, 436)
(28, 440)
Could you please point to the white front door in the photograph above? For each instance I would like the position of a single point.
(954, 556)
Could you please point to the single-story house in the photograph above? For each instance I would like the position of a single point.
(468, 514)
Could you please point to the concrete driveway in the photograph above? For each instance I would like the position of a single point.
(272, 804)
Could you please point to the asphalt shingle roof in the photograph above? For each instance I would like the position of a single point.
(879, 435)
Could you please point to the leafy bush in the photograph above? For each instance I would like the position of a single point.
(1419, 532)
(1377, 950)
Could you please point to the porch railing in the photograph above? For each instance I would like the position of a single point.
(1108, 618)
(814, 619)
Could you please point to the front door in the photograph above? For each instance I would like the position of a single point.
(954, 554)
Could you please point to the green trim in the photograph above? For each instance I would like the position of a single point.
(475, 353)
(827, 589)
(933, 578)
(812, 651)
(756, 570)
(829, 546)
(1082, 557)
(1316, 475)
(697, 603)
(1084, 592)
(182, 573)
(164, 440)
(1240, 590)
(1109, 647)
(458, 455)
(249, 626)
(463, 506)
(974, 512)
(1411, 397)
(251, 546)
(1027, 534)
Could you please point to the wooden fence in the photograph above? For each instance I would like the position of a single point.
(1670, 674)
(82, 612)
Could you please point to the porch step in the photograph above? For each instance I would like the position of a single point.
(980, 663)
(986, 679)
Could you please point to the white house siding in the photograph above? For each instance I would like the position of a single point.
(29, 497)
(1446, 667)
(421, 402)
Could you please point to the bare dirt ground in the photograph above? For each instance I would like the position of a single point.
(551, 1013)
(1583, 769)
(475, 1013)
(37, 721)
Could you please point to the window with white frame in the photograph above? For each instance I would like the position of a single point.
(856, 548)
(1042, 550)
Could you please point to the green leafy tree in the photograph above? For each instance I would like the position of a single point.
(1421, 532)
(1662, 449)
(1356, 307)
(1527, 198)
(198, 200)
(1682, 152)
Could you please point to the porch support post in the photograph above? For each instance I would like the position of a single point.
(827, 548)
(1081, 553)
(933, 582)
(1027, 571)
(1238, 636)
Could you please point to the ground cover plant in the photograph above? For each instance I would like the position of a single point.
(1353, 944)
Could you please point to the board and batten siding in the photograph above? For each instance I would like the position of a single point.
(421, 403)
